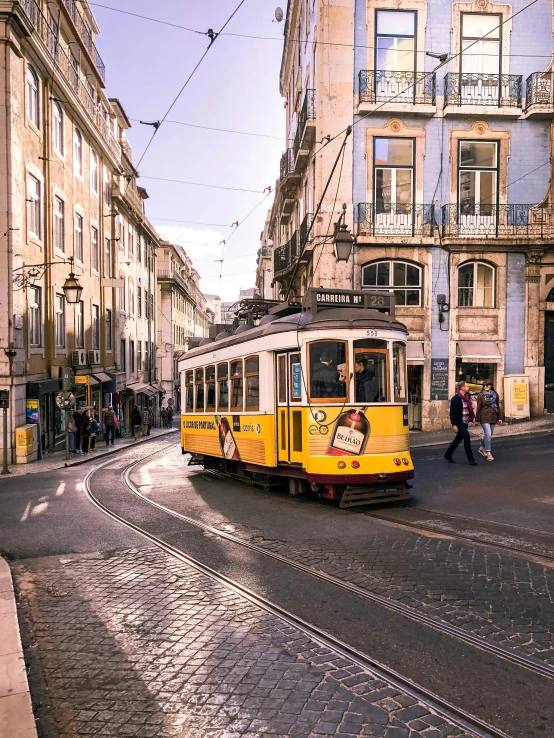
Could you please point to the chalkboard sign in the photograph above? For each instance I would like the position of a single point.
(439, 379)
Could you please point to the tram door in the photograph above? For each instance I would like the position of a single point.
(289, 412)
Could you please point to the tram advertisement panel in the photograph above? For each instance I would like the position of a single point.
(246, 438)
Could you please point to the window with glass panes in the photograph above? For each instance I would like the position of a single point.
(35, 316)
(400, 277)
(59, 224)
(95, 326)
(107, 258)
(123, 349)
(393, 174)
(59, 326)
(34, 206)
(478, 177)
(58, 127)
(80, 324)
(94, 171)
(476, 285)
(33, 96)
(395, 41)
(77, 153)
(109, 325)
(78, 243)
(132, 355)
(94, 249)
(481, 35)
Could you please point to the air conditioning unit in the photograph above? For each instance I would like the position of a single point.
(79, 358)
(93, 357)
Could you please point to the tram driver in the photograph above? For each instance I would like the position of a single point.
(366, 386)
(325, 378)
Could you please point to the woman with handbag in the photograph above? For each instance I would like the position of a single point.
(488, 414)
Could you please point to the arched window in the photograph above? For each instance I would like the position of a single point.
(77, 153)
(32, 94)
(400, 277)
(550, 296)
(57, 127)
(476, 284)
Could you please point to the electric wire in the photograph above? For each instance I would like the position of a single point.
(221, 130)
(201, 184)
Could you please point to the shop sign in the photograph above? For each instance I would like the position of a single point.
(32, 412)
(439, 379)
(519, 393)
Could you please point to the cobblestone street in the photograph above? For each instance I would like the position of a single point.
(139, 644)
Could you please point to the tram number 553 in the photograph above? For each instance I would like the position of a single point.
(371, 333)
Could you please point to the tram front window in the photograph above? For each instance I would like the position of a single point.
(328, 370)
(371, 371)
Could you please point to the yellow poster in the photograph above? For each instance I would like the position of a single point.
(520, 393)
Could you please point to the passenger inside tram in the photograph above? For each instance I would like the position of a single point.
(325, 378)
(371, 370)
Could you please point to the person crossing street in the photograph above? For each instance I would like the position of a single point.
(461, 415)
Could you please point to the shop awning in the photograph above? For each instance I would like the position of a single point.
(93, 381)
(149, 391)
(478, 350)
(101, 377)
(415, 352)
(142, 388)
(37, 389)
(158, 388)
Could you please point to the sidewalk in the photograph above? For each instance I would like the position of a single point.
(57, 459)
(419, 439)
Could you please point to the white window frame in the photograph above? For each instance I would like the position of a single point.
(108, 321)
(32, 96)
(58, 128)
(95, 326)
(95, 249)
(78, 153)
(108, 258)
(59, 224)
(59, 320)
(93, 171)
(35, 316)
(392, 288)
(473, 290)
(34, 206)
(78, 237)
(80, 325)
(131, 240)
(107, 187)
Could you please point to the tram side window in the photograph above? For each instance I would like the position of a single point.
(252, 377)
(371, 370)
(189, 392)
(222, 387)
(328, 370)
(399, 371)
(237, 386)
(199, 382)
(210, 388)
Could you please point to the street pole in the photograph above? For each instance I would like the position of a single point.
(5, 469)
(67, 416)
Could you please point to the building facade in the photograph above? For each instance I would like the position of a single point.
(65, 184)
(445, 175)
(184, 313)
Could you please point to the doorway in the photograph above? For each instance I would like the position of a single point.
(415, 393)
(549, 361)
(289, 413)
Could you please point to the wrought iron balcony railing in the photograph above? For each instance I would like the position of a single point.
(286, 256)
(493, 90)
(503, 221)
(307, 112)
(287, 163)
(381, 219)
(539, 89)
(61, 61)
(85, 34)
(304, 228)
(381, 86)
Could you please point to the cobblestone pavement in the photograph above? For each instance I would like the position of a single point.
(139, 644)
(492, 593)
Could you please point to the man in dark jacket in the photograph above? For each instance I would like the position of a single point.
(325, 379)
(136, 420)
(461, 414)
(78, 420)
(109, 425)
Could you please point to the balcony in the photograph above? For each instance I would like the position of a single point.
(539, 95)
(62, 63)
(473, 220)
(488, 93)
(401, 90)
(286, 256)
(170, 275)
(305, 130)
(287, 164)
(286, 208)
(85, 34)
(396, 220)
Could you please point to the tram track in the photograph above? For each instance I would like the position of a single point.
(458, 716)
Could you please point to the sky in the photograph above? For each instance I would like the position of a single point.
(236, 87)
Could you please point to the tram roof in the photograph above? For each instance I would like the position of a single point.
(331, 318)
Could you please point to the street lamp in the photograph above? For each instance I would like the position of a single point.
(72, 289)
(343, 238)
(26, 275)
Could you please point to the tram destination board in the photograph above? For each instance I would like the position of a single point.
(439, 379)
(321, 299)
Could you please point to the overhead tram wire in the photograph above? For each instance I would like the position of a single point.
(280, 39)
(201, 184)
(221, 130)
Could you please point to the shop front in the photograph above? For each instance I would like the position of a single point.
(477, 361)
(416, 360)
(42, 409)
(88, 393)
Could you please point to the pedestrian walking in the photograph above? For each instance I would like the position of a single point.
(85, 432)
(170, 417)
(78, 420)
(488, 414)
(461, 415)
(145, 421)
(94, 431)
(72, 429)
(136, 421)
(150, 421)
(164, 417)
(109, 421)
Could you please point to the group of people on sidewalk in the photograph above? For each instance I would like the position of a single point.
(142, 421)
(462, 414)
(83, 431)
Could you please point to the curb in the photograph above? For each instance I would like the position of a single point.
(16, 709)
(477, 436)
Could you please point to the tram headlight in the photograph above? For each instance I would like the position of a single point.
(355, 465)
(341, 464)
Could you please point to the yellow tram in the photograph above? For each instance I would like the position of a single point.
(315, 395)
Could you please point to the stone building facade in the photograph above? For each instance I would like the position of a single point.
(184, 313)
(67, 191)
(446, 177)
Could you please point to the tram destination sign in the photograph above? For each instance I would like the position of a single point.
(321, 299)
